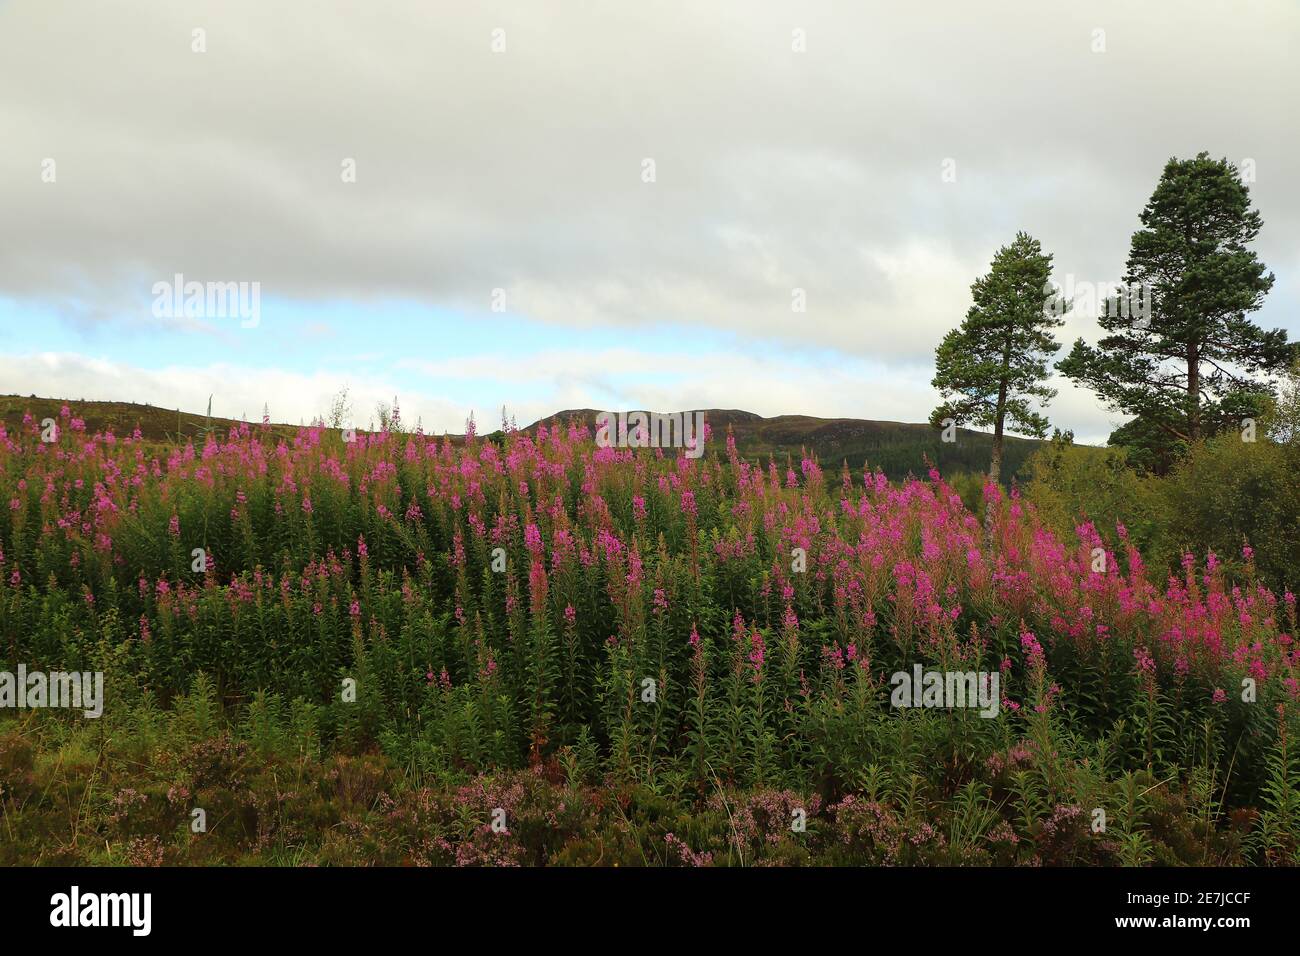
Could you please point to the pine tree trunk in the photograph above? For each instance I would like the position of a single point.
(995, 472)
(995, 460)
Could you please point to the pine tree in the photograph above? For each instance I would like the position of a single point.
(1186, 365)
(991, 367)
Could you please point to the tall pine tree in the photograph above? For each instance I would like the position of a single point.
(991, 367)
(1191, 366)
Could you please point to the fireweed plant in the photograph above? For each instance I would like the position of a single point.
(636, 655)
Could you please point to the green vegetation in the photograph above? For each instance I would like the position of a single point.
(1193, 365)
(991, 367)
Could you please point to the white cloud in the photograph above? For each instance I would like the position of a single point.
(521, 170)
(236, 392)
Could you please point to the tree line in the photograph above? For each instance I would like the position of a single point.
(1187, 365)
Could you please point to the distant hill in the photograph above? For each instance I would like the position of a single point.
(895, 447)
(156, 424)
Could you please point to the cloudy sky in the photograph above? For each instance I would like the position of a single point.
(546, 204)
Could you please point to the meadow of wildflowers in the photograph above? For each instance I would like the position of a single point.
(530, 649)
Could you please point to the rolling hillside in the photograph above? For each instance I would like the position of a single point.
(896, 447)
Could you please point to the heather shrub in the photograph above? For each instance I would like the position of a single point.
(1069, 485)
(1241, 501)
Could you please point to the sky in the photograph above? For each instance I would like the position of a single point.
(545, 205)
